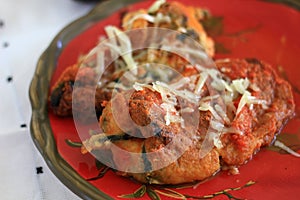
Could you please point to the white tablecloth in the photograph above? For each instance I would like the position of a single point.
(26, 29)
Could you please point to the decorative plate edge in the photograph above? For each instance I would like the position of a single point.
(40, 129)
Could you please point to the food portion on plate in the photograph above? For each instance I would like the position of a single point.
(170, 15)
(175, 16)
(203, 118)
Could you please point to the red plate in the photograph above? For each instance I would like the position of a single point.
(257, 29)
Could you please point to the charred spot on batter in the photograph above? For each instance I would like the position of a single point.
(253, 61)
(58, 92)
(147, 163)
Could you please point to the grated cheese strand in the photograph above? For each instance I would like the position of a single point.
(159, 18)
(124, 49)
(207, 107)
(243, 101)
(240, 85)
(222, 113)
(200, 83)
(249, 100)
(286, 148)
(218, 126)
(180, 83)
(155, 6)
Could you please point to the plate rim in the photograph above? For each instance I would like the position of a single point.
(40, 128)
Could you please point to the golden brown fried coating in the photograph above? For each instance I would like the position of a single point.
(62, 93)
(185, 19)
(256, 127)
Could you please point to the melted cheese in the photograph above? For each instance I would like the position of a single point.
(286, 148)
(156, 5)
(188, 88)
(157, 19)
(120, 43)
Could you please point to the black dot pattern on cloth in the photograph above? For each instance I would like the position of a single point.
(9, 79)
(23, 125)
(39, 170)
(5, 44)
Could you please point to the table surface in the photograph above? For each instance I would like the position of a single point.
(26, 29)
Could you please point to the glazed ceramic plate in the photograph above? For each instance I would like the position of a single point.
(242, 29)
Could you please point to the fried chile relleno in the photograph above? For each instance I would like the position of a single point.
(214, 118)
(267, 108)
(256, 105)
(258, 124)
(61, 96)
(175, 16)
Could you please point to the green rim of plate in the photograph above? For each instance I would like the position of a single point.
(40, 127)
(41, 131)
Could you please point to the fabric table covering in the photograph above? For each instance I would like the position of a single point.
(26, 30)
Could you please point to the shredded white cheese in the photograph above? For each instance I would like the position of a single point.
(240, 85)
(180, 83)
(218, 126)
(156, 5)
(218, 83)
(205, 106)
(144, 16)
(139, 86)
(286, 148)
(114, 85)
(243, 101)
(94, 142)
(226, 85)
(159, 18)
(248, 99)
(171, 113)
(187, 110)
(254, 87)
(215, 137)
(200, 83)
(222, 113)
(209, 98)
(188, 95)
(100, 62)
(185, 51)
(124, 48)
(169, 94)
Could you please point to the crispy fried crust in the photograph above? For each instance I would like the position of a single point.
(258, 125)
(61, 96)
(182, 17)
